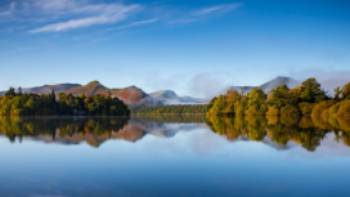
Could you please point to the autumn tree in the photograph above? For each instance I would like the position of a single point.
(256, 102)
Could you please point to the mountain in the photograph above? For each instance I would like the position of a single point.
(278, 81)
(90, 89)
(169, 97)
(46, 89)
(268, 86)
(131, 95)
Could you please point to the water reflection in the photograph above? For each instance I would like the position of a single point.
(303, 132)
(93, 131)
(153, 158)
(96, 131)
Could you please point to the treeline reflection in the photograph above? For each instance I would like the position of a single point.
(96, 131)
(305, 132)
(91, 130)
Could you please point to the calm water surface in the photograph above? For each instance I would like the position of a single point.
(102, 157)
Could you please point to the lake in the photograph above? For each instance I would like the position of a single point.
(64, 157)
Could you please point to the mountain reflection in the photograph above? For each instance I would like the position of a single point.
(93, 131)
(96, 131)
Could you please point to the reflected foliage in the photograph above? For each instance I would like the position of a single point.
(65, 130)
(304, 132)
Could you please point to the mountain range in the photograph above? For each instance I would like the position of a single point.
(131, 95)
(134, 96)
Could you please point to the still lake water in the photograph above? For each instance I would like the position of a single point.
(100, 157)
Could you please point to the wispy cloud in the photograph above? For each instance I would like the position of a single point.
(97, 15)
(216, 9)
(205, 12)
(43, 16)
(9, 11)
(139, 23)
(50, 5)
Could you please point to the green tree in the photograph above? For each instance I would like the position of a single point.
(310, 91)
(218, 106)
(256, 102)
(345, 92)
(11, 92)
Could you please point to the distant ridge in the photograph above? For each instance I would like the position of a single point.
(169, 97)
(90, 89)
(278, 81)
(268, 86)
(46, 89)
(131, 95)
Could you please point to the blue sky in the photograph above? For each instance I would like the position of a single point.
(194, 47)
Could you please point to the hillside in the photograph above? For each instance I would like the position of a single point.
(269, 85)
(131, 95)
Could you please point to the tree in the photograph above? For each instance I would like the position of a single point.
(231, 98)
(11, 92)
(256, 102)
(31, 104)
(345, 92)
(217, 106)
(281, 96)
(310, 91)
(20, 91)
(337, 93)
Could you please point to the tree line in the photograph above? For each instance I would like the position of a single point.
(16, 103)
(286, 106)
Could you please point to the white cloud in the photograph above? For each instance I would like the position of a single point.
(208, 85)
(202, 13)
(139, 23)
(216, 9)
(65, 15)
(50, 5)
(101, 14)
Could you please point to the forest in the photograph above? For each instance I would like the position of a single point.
(304, 104)
(19, 104)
